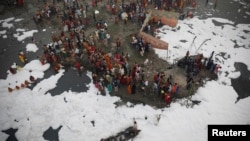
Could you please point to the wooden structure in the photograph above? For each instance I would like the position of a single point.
(166, 18)
(156, 43)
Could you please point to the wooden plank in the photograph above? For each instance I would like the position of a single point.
(155, 43)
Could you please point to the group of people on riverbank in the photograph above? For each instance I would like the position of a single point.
(194, 65)
(72, 48)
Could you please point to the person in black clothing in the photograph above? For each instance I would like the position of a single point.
(133, 88)
(189, 81)
(94, 16)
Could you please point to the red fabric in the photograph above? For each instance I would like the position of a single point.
(93, 3)
(12, 71)
(78, 66)
(32, 79)
(97, 85)
(114, 10)
(56, 67)
(124, 80)
(67, 22)
(174, 87)
(167, 98)
(110, 66)
(117, 56)
(155, 78)
(91, 49)
(48, 57)
(108, 7)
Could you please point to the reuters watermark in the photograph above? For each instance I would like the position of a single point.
(237, 132)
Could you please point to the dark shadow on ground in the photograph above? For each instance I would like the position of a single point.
(71, 81)
(11, 132)
(52, 134)
(241, 84)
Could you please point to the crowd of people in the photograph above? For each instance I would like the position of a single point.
(193, 66)
(72, 48)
